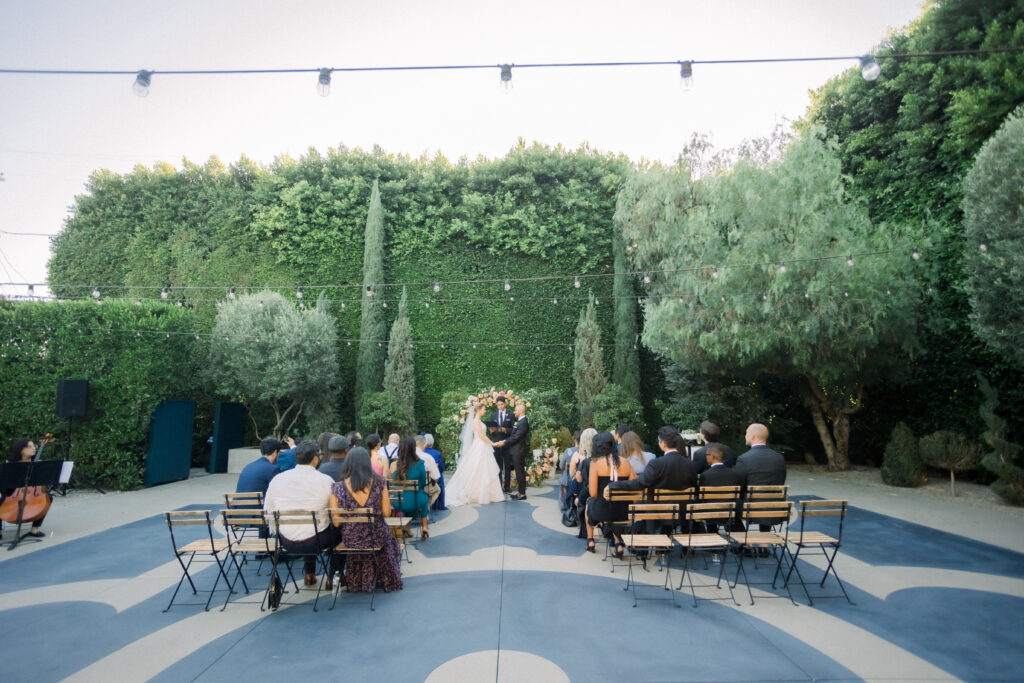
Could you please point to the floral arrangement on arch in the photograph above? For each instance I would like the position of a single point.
(543, 467)
(489, 398)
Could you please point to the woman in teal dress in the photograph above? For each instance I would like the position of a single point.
(409, 466)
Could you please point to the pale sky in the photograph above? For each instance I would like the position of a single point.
(55, 130)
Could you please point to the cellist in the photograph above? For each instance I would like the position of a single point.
(24, 450)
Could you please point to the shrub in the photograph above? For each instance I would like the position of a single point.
(949, 451)
(901, 465)
(1005, 458)
(614, 405)
(383, 413)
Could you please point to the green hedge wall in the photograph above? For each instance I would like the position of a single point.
(134, 356)
(536, 212)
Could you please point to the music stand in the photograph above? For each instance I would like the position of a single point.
(22, 475)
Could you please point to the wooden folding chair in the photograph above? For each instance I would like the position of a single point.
(286, 518)
(347, 520)
(722, 494)
(810, 539)
(696, 540)
(681, 498)
(398, 523)
(211, 547)
(236, 522)
(666, 514)
(249, 500)
(779, 512)
(619, 497)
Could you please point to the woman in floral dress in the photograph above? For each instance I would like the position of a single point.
(361, 488)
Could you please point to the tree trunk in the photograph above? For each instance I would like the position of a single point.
(832, 420)
(952, 484)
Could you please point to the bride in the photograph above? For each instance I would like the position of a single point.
(476, 478)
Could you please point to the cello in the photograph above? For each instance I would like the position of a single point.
(27, 504)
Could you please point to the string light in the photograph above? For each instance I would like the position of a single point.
(383, 304)
(323, 83)
(437, 286)
(869, 68)
(163, 293)
(555, 300)
(96, 293)
(647, 278)
(261, 304)
(142, 80)
(508, 285)
(576, 282)
(849, 260)
(231, 294)
(782, 266)
(298, 292)
(714, 272)
(426, 304)
(983, 246)
(915, 254)
(138, 302)
(506, 78)
(686, 76)
(369, 291)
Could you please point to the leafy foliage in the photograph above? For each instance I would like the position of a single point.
(373, 325)
(902, 465)
(1004, 460)
(266, 351)
(399, 377)
(826, 325)
(383, 413)
(626, 365)
(129, 375)
(994, 236)
(588, 368)
(949, 451)
(612, 406)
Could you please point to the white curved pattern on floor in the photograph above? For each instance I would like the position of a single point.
(511, 666)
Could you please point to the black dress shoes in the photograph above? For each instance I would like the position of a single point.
(518, 496)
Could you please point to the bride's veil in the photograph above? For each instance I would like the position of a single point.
(467, 435)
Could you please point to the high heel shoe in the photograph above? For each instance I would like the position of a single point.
(620, 551)
(425, 535)
(591, 546)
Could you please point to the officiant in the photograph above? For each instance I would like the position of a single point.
(499, 427)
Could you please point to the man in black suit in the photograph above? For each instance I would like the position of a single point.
(672, 471)
(500, 426)
(710, 433)
(518, 443)
(761, 466)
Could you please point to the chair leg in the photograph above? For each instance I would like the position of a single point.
(184, 575)
(220, 574)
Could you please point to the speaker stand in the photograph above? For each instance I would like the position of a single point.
(76, 476)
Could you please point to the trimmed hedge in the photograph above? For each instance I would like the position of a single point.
(134, 356)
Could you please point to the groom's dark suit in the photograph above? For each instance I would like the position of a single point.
(518, 444)
(500, 427)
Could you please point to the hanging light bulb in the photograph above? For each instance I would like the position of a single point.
(508, 285)
(869, 68)
(723, 298)
(261, 304)
(180, 303)
(807, 295)
(764, 297)
(219, 303)
(983, 246)
(323, 83)
(95, 292)
(506, 78)
(442, 345)
(298, 292)
(511, 298)
(686, 76)
(138, 302)
(142, 80)
(437, 286)
(474, 346)
(714, 272)
(369, 292)
(343, 304)
(383, 304)
(782, 266)
(849, 260)
(916, 254)
(555, 300)
(31, 290)
(647, 278)
(596, 301)
(576, 282)
(426, 304)
(197, 337)
(231, 293)
(163, 293)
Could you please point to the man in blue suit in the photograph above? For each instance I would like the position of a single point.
(256, 475)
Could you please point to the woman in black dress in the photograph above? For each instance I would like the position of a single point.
(606, 466)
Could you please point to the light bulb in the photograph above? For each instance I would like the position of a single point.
(437, 286)
(685, 76)
(231, 293)
(849, 260)
(323, 83)
(261, 304)
(647, 278)
(369, 292)
(916, 254)
(869, 68)
(555, 300)
(142, 80)
(426, 304)
(714, 272)
(383, 304)
(138, 302)
(506, 78)
(163, 293)
(576, 282)
(508, 285)
(31, 290)
(782, 266)
(95, 292)
(983, 246)
(298, 293)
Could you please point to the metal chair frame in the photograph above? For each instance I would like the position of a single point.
(644, 512)
(695, 541)
(241, 520)
(758, 513)
(210, 546)
(808, 539)
(283, 555)
(341, 518)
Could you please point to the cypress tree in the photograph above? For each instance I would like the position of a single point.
(399, 375)
(588, 368)
(1005, 458)
(626, 365)
(370, 363)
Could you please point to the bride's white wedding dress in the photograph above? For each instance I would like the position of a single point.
(477, 477)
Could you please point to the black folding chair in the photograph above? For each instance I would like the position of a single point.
(811, 539)
(757, 513)
(286, 518)
(236, 523)
(349, 520)
(214, 548)
(697, 540)
(666, 514)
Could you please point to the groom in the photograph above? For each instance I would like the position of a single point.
(517, 444)
(500, 426)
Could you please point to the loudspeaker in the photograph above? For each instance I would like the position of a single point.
(71, 395)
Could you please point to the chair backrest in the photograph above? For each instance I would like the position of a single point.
(768, 511)
(640, 512)
(718, 493)
(824, 508)
(766, 492)
(242, 518)
(354, 516)
(182, 518)
(625, 496)
(286, 518)
(404, 485)
(245, 499)
(720, 513)
(672, 496)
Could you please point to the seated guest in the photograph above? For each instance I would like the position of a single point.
(606, 466)
(256, 475)
(433, 471)
(359, 487)
(337, 448)
(672, 471)
(439, 461)
(761, 466)
(323, 445)
(620, 429)
(24, 450)
(391, 449)
(378, 461)
(579, 471)
(354, 439)
(631, 447)
(409, 467)
(303, 488)
(719, 474)
(563, 466)
(709, 433)
(286, 458)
